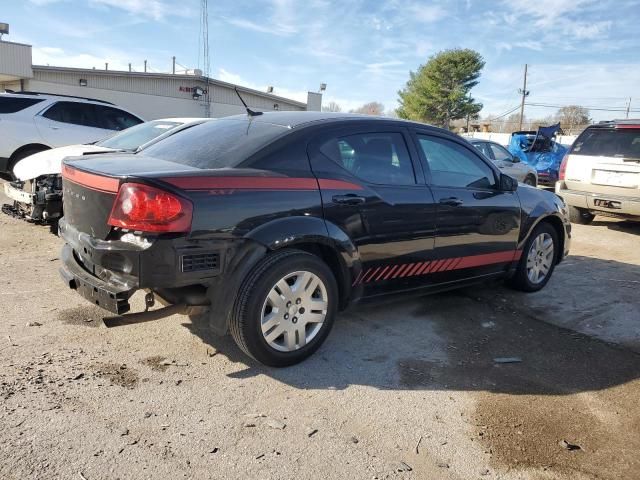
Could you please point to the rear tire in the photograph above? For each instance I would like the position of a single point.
(530, 180)
(538, 259)
(580, 216)
(273, 320)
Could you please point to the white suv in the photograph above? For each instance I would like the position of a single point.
(31, 122)
(601, 172)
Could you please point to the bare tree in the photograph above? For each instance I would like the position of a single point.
(371, 108)
(573, 116)
(332, 107)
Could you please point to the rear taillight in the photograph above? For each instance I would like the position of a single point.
(149, 209)
(563, 167)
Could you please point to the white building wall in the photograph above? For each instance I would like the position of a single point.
(151, 96)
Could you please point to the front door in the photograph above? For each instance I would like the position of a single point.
(477, 224)
(374, 192)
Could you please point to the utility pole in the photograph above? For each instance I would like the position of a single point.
(174, 64)
(525, 93)
(628, 107)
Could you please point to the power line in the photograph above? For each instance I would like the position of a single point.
(620, 109)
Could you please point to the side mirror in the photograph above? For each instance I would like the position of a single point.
(515, 159)
(507, 183)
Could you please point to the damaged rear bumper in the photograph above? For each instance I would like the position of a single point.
(113, 298)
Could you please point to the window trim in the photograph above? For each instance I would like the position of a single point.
(45, 110)
(339, 132)
(416, 132)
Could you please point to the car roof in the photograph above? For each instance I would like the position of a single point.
(293, 120)
(182, 120)
(53, 96)
(627, 122)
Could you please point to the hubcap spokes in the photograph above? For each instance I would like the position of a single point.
(540, 258)
(294, 311)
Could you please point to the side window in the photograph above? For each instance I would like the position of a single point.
(10, 104)
(111, 118)
(380, 158)
(75, 113)
(500, 153)
(484, 148)
(452, 165)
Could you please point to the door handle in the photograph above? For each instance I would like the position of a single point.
(451, 201)
(348, 199)
(54, 128)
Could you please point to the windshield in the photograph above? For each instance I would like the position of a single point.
(223, 143)
(132, 138)
(608, 142)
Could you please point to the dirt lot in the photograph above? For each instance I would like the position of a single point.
(407, 389)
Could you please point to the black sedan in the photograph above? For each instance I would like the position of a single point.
(268, 225)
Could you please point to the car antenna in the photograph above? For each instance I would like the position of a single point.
(250, 112)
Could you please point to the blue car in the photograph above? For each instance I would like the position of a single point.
(541, 151)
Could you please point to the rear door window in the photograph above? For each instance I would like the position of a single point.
(608, 142)
(380, 158)
(16, 104)
(75, 113)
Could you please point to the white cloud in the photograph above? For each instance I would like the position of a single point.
(426, 13)
(281, 20)
(155, 9)
(583, 30)
(58, 57)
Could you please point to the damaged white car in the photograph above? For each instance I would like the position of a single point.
(37, 192)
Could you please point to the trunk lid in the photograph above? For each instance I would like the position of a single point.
(605, 160)
(90, 186)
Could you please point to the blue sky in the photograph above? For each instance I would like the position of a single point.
(579, 51)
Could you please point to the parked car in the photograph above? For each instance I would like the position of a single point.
(37, 192)
(601, 172)
(506, 161)
(274, 222)
(31, 122)
(540, 150)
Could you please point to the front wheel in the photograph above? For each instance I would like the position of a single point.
(285, 308)
(538, 259)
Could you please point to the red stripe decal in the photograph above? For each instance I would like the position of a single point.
(259, 183)
(455, 264)
(382, 272)
(415, 269)
(446, 264)
(90, 180)
(328, 184)
(435, 266)
(517, 255)
(355, 282)
(400, 270)
(486, 259)
(423, 268)
(240, 183)
(393, 269)
(406, 272)
(366, 280)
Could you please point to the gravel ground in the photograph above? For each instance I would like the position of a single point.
(405, 389)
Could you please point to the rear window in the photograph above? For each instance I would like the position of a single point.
(218, 144)
(133, 137)
(15, 104)
(608, 142)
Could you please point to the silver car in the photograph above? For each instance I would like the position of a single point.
(505, 161)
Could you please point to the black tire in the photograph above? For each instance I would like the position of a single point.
(520, 280)
(245, 322)
(19, 156)
(530, 180)
(580, 215)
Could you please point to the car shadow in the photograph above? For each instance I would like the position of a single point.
(626, 226)
(485, 338)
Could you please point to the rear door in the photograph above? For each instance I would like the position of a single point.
(67, 123)
(477, 225)
(374, 192)
(605, 161)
